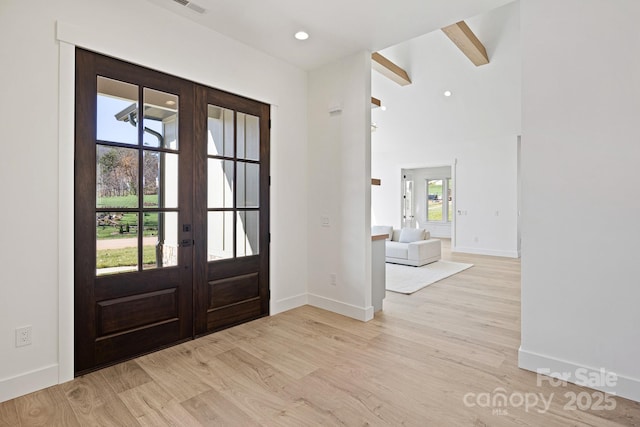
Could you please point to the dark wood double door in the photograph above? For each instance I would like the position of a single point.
(171, 210)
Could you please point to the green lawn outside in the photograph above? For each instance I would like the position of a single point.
(113, 231)
(125, 257)
(130, 201)
(128, 219)
(435, 207)
(435, 211)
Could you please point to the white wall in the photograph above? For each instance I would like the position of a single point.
(340, 186)
(30, 259)
(580, 152)
(478, 126)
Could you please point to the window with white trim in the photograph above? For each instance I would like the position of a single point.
(439, 200)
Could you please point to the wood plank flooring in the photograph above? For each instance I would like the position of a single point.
(412, 365)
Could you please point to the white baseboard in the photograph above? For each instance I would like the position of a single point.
(289, 303)
(358, 313)
(626, 387)
(482, 251)
(13, 387)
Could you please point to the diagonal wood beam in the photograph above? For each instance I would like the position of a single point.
(389, 69)
(463, 37)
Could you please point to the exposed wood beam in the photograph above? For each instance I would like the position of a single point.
(375, 102)
(389, 69)
(376, 181)
(463, 37)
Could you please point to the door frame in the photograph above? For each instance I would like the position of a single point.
(453, 165)
(121, 316)
(69, 37)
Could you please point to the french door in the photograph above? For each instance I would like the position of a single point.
(232, 206)
(408, 214)
(171, 210)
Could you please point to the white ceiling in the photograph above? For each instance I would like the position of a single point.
(337, 28)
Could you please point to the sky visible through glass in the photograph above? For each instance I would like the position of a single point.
(112, 130)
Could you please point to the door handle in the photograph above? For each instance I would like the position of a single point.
(186, 242)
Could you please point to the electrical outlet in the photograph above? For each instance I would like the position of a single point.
(23, 336)
(333, 279)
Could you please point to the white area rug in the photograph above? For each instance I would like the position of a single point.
(407, 280)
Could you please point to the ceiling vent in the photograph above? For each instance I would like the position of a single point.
(191, 5)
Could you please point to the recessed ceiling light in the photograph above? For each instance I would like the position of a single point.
(301, 35)
(170, 102)
(447, 93)
(383, 108)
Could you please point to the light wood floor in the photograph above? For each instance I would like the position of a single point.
(412, 365)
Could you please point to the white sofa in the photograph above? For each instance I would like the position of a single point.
(409, 246)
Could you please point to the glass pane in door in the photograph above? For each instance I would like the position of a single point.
(220, 183)
(407, 205)
(116, 177)
(247, 233)
(248, 185)
(160, 179)
(117, 111)
(248, 136)
(219, 235)
(160, 119)
(160, 239)
(116, 242)
(220, 134)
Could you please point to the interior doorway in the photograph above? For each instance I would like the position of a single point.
(432, 199)
(171, 210)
